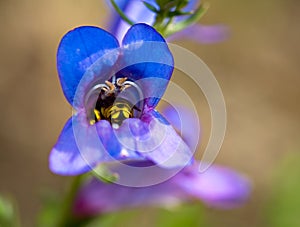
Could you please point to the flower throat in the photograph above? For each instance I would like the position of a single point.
(111, 107)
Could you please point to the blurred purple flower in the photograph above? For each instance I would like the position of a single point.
(218, 187)
(138, 12)
(104, 83)
(205, 34)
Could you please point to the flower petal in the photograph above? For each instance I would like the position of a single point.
(147, 56)
(186, 123)
(154, 139)
(78, 148)
(138, 13)
(172, 151)
(204, 34)
(218, 186)
(97, 197)
(65, 157)
(135, 10)
(82, 146)
(110, 141)
(77, 51)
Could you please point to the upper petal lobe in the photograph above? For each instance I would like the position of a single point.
(77, 51)
(147, 56)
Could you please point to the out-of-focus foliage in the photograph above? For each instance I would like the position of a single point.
(187, 215)
(8, 214)
(284, 206)
(184, 215)
(51, 208)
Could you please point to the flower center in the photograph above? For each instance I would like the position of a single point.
(116, 101)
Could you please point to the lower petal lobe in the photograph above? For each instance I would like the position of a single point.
(154, 138)
(81, 147)
(65, 157)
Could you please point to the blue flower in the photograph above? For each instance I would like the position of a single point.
(138, 12)
(114, 91)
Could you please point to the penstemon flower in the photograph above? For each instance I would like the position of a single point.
(114, 83)
(114, 91)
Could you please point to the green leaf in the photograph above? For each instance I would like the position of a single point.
(104, 174)
(150, 7)
(178, 13)
(195, 17)
(171, 4)
(167, 5)
(162, 3)
(182, 3)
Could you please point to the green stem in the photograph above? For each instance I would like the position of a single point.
(67, 219)
(120, 12)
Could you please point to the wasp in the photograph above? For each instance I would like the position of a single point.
(109, 107)
(115, 113)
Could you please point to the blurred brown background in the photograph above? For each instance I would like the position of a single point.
(257, 69)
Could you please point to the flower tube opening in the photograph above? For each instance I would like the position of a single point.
(115, 101)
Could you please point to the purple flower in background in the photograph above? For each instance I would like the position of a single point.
(114, 91)
(138, 12)
(217, 187)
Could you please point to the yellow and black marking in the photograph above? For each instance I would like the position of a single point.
(118, 112)
(115, 113)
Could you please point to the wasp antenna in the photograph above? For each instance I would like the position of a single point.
(125, 87)
(104, 89)
(120, 81)
(111, 86)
